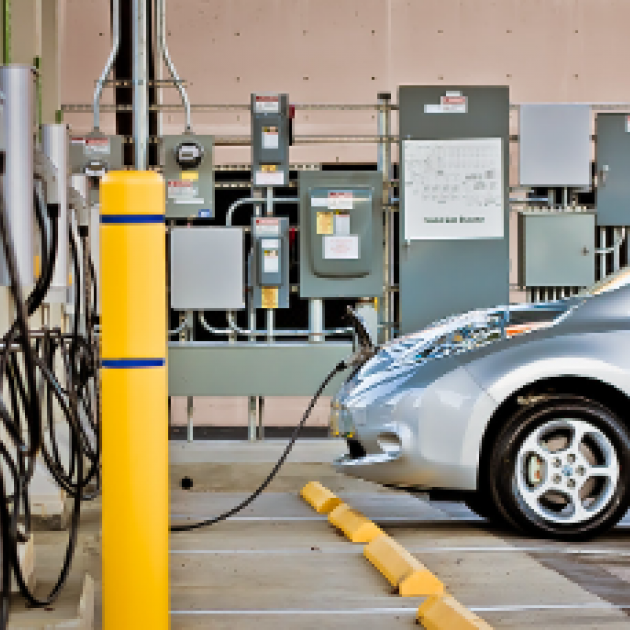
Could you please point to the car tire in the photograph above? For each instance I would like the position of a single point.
(483, 505)
(556, 468)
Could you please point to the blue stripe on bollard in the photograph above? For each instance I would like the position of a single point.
(132, 363)
(126, 219)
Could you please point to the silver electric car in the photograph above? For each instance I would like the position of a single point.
(521, 411)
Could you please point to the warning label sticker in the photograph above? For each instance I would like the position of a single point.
(178, 189)
(325, 223)
(269, 178)
(269, 297)
(450, 103)
(267, 227)
(96, 146)
(341, 247)
(338, 200)
(270, 137)
(267, 105)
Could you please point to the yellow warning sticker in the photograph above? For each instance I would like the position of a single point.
(269, 297)
(268, 168)
(325, 223)
(190, 176)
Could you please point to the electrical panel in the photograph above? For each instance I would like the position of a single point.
(341, 235)
(207, 270)
(556, 249)
(269, 266)
(189, 175)
(555, 145)
(95, 154)
(613, 166)
(271, 129)
(454, 162)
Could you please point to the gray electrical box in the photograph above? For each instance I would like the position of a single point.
(269, 266)
(556, 249)
(207, 268)
(555, 145)
(95, 154)
(613, 167)
(189, 175)
(341, 234)
(453, 201)
(270, 139)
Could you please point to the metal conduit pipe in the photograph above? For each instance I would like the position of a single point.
(250, 200)
(278, 333)
(140, 84)
(163, 48)
(109, 64)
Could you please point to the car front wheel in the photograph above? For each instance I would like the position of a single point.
(559, 468)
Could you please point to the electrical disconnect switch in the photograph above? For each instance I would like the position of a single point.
(271, 131)
(341, 234)
(269, 272)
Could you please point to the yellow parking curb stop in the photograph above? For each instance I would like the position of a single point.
(356, 527)
(322, 499)
(444, 612)
(402, 570)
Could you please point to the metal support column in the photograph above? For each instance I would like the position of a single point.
(603, 271)
(251, 419)
(190, 406)
(140, 91)
(271, 316)
(51, 60)
(384, 165)
(26, 31)
(261, 418)
(316, 320)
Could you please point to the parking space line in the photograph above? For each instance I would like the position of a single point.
(432, 550)
(412, 611)
(376, 519)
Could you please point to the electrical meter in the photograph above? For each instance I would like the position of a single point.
(269, 271)
(189, 155)
(270, 139)
(341, 234)
(189, 175)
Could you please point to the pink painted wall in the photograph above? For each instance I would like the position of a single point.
(345, 51)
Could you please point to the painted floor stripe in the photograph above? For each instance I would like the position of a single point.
(343, 549)
(397, 611)
(382, 519)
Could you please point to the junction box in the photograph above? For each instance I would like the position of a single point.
(555, 145)
(613, 166)
(207, 268)
(556, 249)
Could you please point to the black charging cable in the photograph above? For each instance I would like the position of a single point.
(340, 367)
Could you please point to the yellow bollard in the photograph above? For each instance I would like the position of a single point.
(134, 385)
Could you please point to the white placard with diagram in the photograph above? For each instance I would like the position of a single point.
(453, 189)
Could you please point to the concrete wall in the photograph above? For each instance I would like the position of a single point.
(346, 51)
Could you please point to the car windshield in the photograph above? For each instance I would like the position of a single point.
(614, 281)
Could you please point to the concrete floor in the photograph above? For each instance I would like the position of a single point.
(279, 564)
